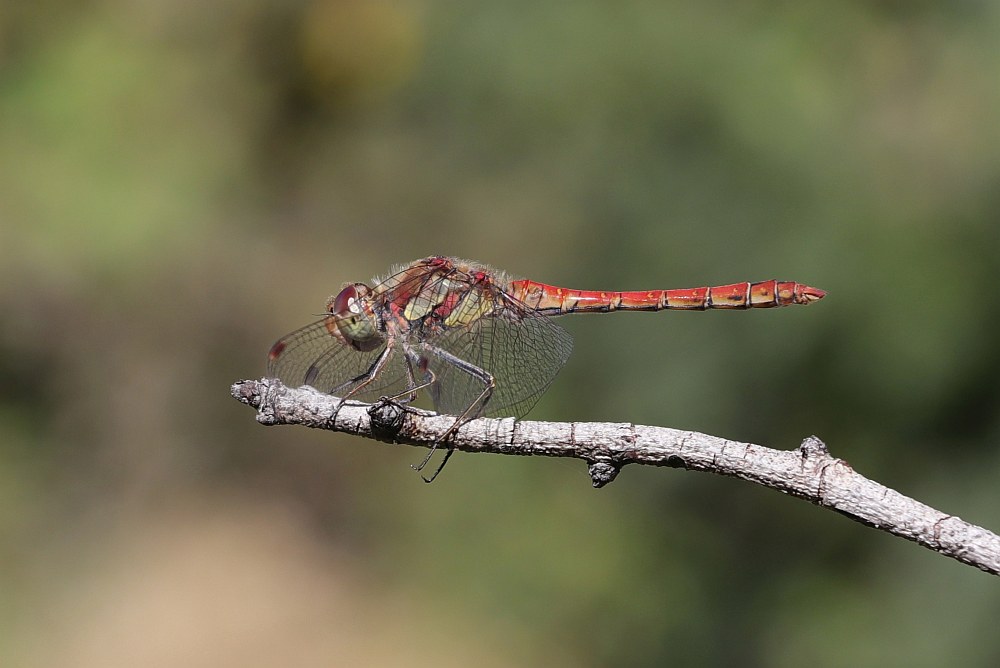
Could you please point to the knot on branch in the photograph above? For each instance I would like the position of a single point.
(387, 419)
(602, 472)
(811, 446)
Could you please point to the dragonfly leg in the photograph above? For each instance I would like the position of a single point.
(409, 394)
(473, 411)
(411, 382)
(444, 460)
(361, 381)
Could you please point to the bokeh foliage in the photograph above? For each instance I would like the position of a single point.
(182, 182)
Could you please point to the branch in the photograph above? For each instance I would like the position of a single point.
(808, 472)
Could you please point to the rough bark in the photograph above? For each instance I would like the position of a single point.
(808, 472)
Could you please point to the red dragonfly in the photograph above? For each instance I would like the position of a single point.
(479, 342)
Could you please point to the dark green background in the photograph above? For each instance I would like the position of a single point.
(183, 182)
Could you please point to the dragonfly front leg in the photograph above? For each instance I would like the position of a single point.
(473, 411)
(361, 381)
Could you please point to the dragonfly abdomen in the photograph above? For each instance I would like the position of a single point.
(553, 300)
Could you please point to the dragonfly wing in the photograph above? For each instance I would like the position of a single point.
(310, 356)
(521, 349)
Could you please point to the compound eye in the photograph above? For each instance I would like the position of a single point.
(346, 303)
(354, 322)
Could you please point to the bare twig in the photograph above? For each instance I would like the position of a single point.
(808, 472)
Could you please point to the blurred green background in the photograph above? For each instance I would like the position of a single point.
(183, 182)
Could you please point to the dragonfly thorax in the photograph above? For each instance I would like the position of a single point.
(353, 320)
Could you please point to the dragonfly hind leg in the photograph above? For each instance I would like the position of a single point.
(473, 411)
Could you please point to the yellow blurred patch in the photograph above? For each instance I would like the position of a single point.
(356, 50)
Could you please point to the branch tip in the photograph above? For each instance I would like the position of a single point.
(247, 392)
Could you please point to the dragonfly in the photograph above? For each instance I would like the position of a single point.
(477, 341)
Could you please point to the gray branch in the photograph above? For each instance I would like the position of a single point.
(808, 472)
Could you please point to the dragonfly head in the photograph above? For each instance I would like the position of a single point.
(353, 320)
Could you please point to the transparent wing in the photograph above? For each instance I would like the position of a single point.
(311, 356)
(521, 349)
